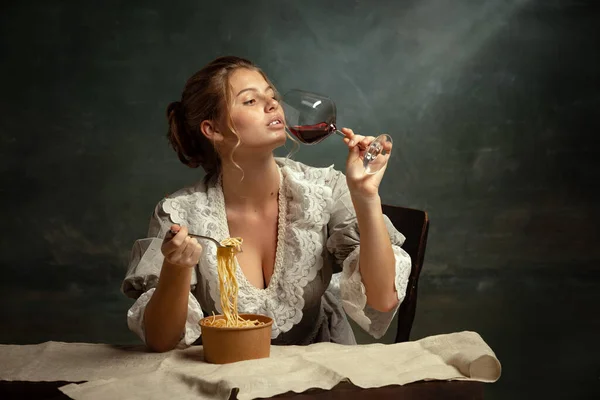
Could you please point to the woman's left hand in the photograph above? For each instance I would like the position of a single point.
(362, 186)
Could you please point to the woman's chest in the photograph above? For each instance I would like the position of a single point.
(258, 258)
(284, 266)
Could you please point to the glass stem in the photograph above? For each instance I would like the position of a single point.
(360, 145)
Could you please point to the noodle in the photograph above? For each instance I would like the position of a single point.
(228, 286)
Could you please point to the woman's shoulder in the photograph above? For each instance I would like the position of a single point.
(192, 205)
(326, 175)
(184, 197)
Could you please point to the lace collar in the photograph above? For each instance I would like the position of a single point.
(305, 200)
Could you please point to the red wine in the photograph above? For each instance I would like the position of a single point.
(310, 134)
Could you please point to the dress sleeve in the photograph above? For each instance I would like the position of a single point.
(142, 275)
(344, 243)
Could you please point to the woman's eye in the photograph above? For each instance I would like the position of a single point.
(250, 102)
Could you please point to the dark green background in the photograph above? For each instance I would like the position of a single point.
(493, 106)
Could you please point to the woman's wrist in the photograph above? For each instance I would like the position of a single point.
(366, 203)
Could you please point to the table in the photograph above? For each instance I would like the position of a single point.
(461, 361)
(431, 390)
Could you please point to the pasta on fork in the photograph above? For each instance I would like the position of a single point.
(228, 286)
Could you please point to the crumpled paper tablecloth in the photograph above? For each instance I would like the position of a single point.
(131, 372)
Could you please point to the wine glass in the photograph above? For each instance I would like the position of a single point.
(311, 117)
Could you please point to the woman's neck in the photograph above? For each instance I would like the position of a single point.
(259, 186)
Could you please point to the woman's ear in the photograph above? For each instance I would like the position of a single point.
(211, 130)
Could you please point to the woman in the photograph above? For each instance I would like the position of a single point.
(296, 221)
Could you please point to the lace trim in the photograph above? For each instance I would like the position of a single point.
(280, 248)
(304, 203)
(354, 295)
(195, 211)
(250, 298)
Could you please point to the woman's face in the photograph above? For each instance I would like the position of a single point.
(257, 116)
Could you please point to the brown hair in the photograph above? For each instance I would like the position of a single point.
(206, 96)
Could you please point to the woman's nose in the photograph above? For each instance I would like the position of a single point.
(272, 104)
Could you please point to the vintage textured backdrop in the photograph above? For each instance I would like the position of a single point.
(492, 104)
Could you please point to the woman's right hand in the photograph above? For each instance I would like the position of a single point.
(181, 250)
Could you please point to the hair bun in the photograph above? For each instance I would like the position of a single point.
(176, 107)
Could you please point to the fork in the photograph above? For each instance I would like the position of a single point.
(215, 241)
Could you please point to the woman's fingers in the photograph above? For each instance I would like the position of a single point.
(356, 140)
(181, 249)
(353, 139)
(173, 243)
(348, 132)
(197, 253)
(187, 256)
(366, 142)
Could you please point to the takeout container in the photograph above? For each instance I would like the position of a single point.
(228, 345)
